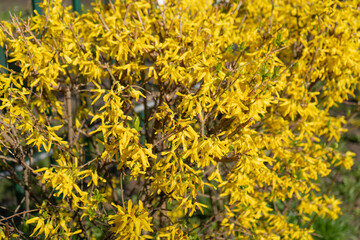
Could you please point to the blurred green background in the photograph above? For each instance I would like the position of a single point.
(24, 6)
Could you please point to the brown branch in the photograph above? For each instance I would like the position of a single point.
(164, 19)
(103, 21)
(242, 21)
(8, 139)
(18, 214)
(27, 189)
(168, 136)
(308, 75)
(233, 158)
(271, 17)
(16, 22)
(126, 13)
(181, 25)
(122, 189)
(172, 24)
(8, 159)
(142, 23)
(69, 117)
(202, 124)
(27, 28)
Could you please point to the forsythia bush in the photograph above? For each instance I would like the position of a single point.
(182, 120)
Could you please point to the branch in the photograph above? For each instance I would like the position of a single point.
(69, 117)
(18, 214)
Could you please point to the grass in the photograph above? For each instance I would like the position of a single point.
(347, 189)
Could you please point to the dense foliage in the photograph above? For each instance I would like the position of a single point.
(179, 120)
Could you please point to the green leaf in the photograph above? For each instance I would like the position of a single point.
(136, 123)
(218, 67)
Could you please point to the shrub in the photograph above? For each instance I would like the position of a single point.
(179, 121)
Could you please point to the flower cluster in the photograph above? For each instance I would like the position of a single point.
(211, 119)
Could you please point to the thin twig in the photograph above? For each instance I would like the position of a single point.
(15, 20)
(122, 189)
(69, 117)
(242, 21)
(18, 214)
(103, 21)
(142, 23)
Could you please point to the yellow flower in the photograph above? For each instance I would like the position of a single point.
(131, 222)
